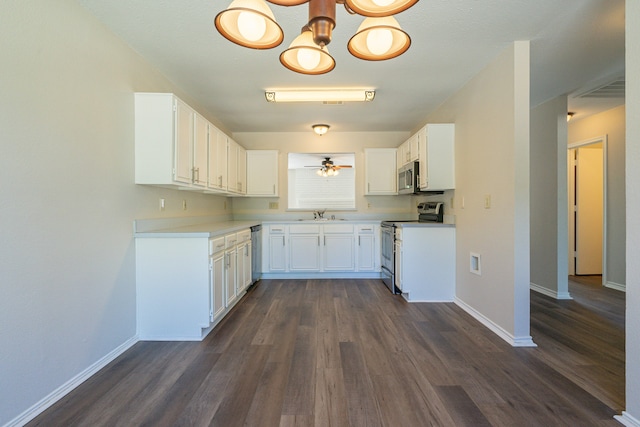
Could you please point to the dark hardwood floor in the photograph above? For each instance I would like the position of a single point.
(348, 353)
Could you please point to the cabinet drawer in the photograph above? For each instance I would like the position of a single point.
(304, 229)
(338, 228)
(216, 245)
(230, 240)
(366, 229)
(244, 236)
(276, 229)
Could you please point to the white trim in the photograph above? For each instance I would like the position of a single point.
(550, 293)
(605, 143)
(68, 387)
(617, 286)
(627, 420)
(524, 341)
(326, 275)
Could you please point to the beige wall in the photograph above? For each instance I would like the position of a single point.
(67, 199)
(332, 142)
(491, 114)
(549, 198)
(612, 124)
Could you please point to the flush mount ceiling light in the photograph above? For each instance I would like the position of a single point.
(320, 129)
(324, 95)
(250, 23)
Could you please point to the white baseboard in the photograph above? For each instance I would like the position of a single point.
(616, 286)
(627, 420)
(67, 387)
(550, 293)
(525, 341)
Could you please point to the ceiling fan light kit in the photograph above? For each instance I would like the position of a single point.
(251, 23)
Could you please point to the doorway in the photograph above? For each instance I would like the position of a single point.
(587, 212)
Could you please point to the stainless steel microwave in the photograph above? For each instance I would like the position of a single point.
(408, 179)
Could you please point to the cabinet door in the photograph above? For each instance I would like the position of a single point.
(200, 148)
(338, 252)
(277, 252)
(230, 276)
(217, 285)
(413, 148)
(304, 252)
(242, 170)
(366, 252)
(423, 166)
(398, 264)
(232, 166)
(217, 179)
(183, 155)
(246, 273)
(381, 174)
(438, 157)
(262, 173)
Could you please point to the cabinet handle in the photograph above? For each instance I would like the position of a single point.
(282, 240)
(318, 240)
(220, 181)
(325, 240)
(368, 187)
(274, 189)
(358, 240)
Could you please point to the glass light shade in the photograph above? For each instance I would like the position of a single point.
(319, 172)
(289, 2)
(305, 57)
(378, 39)
(335, 172)
(320, 129)
(377, 8)
(249, 23)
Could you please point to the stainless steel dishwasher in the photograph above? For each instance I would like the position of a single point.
(256, 253)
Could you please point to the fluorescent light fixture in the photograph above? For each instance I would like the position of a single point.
(328, 95)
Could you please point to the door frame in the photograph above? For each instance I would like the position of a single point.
(571, 193)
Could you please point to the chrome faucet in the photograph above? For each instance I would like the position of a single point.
(319, 214)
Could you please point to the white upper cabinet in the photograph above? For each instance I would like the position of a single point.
(200, 148)
(262, 173)
(380, 171)
(164, 135)
(437, 157)
(242, 170)
(217, 177)
(232, 166)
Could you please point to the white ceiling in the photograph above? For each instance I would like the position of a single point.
(574, 44)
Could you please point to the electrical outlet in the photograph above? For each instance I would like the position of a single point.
(161, 204)
(452, 205)
(368, 205)
(487, 201)
(273, 205)
(184, 205)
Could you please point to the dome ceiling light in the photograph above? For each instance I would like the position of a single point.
(251, 23)
(320, 129)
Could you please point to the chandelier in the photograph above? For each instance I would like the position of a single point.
(250, 23)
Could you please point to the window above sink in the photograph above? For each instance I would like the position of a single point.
(308, 190)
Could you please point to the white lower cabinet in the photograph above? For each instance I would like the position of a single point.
(217, 270)
(323, 250)
(366, 248)
(186, 285)
(304, 247)
(243, 259)
(277, 248)
(425, 263)
(230, 270)
(338, 248)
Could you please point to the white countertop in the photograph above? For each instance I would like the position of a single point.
(200, 230)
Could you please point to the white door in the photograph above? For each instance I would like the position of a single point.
(338, 252)
(304, 252)
(589, 209)
(183, 159)
(230, 276)
(217, 285)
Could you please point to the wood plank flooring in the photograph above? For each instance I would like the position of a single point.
(349, 353)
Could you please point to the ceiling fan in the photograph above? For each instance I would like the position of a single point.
(328, 168)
